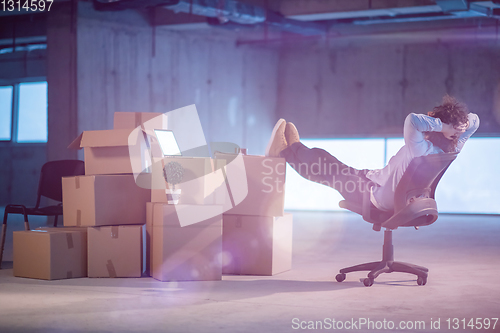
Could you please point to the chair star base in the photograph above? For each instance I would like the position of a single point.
(386, 265)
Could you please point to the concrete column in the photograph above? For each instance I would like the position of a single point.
(62, 80)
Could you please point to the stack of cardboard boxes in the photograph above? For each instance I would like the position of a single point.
(104, 209)
(257, 234)
(229, 218)
(185, 239)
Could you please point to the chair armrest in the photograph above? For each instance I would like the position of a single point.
(367, 210)
(366, 206)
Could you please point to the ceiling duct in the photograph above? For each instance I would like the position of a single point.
(450, 6)
(225, 11)
(492, 11)
(463, 8)
(116, 5)
(230, 13)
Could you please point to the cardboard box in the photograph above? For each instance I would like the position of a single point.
(115, 251)
(149, 227)
(131, 120)
(256, 245)
(265, 181)
(50, 254)
(202, 181)
(189, 253)
(107, 151)
(103, 200)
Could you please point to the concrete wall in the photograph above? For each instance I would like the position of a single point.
(366, 88)
(124, 67)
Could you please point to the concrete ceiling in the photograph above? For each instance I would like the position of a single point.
(326, 17)
(295, 17)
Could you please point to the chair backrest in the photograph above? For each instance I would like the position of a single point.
(421, 178)
(50, 184)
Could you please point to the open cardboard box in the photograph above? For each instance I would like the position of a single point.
(106, 151)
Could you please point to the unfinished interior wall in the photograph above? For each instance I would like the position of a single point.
(130, 66)
(366, 88)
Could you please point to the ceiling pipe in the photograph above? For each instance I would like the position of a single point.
(451, 9)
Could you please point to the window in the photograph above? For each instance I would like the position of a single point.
(5, 112)
(23, 112)
(471, 184)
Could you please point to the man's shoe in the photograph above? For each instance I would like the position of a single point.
(277, 142)
(291, 134)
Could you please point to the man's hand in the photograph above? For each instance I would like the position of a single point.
(451, 132)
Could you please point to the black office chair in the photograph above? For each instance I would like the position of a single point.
(414, 206)
(50, 186)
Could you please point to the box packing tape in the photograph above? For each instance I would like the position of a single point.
(114, 232)
(78, 217)
(137, 119)
(69, 239)
(111, 269)
(78, 211)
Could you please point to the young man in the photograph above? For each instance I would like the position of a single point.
(445, 129)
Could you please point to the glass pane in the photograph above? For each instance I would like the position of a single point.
(5, 112)
(32, 112)
(302, 194)
(472, 184)
(393, 146)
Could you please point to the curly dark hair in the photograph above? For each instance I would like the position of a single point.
(451, 112)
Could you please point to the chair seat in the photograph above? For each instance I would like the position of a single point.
(377, 216)
(47, 211)
(419, 212)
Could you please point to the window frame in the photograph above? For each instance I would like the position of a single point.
(15, 111)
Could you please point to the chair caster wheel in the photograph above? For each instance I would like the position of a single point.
(421, 281)
(340, 277)
(368, 282)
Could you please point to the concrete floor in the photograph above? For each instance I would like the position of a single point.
(461, 252)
